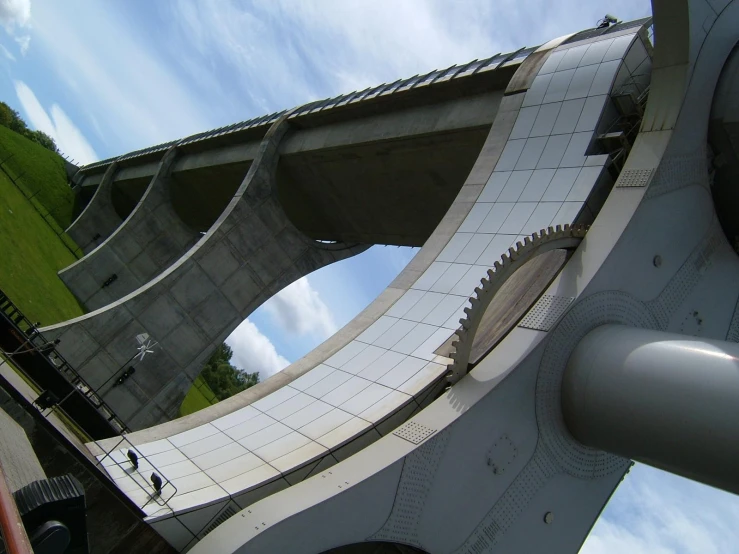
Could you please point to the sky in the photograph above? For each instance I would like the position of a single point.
(105, 78)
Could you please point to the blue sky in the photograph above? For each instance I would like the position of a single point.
(104, 78)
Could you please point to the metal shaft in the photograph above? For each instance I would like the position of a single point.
(667, 400)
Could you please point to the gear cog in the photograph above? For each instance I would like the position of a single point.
(566, 237)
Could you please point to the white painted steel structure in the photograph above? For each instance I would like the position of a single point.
(490, 465)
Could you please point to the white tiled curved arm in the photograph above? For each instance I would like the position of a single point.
(542, 178)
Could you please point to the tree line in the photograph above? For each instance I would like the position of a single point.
(12, 120)
(223, 378)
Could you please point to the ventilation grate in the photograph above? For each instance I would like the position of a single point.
(634, 178)
(414, 432)
(545, 313)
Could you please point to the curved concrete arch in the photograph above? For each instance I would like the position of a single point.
(99, 218)
(538, 503)
(249, 254)
(150, 239)
(446, 269)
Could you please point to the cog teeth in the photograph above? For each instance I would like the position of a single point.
(497, 266)
(468, 311)
(491, 274)
(558, 229)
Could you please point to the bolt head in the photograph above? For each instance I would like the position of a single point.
(657, 261)
(549, 518)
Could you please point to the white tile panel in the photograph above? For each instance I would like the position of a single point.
(471, 279)
(275, 398)
(596, 51)
(415, 338)
(297, 457)
(234, 467)
(430, 276)
(494, 251)
(584, 184)
(427, 349)
(558, 86)
(554, 151)
(250, 479)
(542, 217)
(635, 56)
(326, 423)
(537, 90)
(254, 425)
(474, 248)
(345, 354)
(475, 217)
(514, 187)
(537, 184)
(205, 445)
(518, 217)
(290, 406)
(575, 153)
(618, 48)
(561, 184)
(389, 404)
(453, 322)
(598, 159)
(494, 186)
(405, 303)
(192, 482)
(363, 359)
(282, 446)
(174, 471)
(220, 455)
(193, 435)
(366, 398)
(382, 365)
(530, 154)
(164, 459)
(568, 213)
(328, 383)
(417, 382)
(455, 245)
(496, 217)
(234, 418)
(401, 328)
(424, 306)
(511, 152)
(344, 392)
(155, 447)
(551, 63)
(568, 116)
(581, 82)
(344, 432)
(312, 377)
(572, 57)
(195, 498)
(604, 77)
(404, 371)
(310, 413)
(591, 113)
(545, 120)
(446, 308)
(265, 436)
(524, 122)
(452, 275)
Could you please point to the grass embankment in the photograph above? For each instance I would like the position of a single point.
(31, 251)
(198, 397)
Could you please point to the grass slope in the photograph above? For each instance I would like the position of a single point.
(30, 256)
(198, 397)
(41, 172)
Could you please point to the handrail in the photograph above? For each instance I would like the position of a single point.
(11, 525)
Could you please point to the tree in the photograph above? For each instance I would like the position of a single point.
(223, 378)
(12, 120)
(43, 139)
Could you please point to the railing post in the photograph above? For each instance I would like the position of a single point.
(11, 524)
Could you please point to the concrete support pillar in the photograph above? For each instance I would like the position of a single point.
(663, 399)
(99, 219)
(250, 253)
(150, 239)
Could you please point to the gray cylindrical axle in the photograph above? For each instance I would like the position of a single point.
(667, 400)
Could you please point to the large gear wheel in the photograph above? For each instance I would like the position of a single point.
(566, 237)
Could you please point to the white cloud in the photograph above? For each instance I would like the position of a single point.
(15, 13)
(24, 41)
(654, 512)
(299, 309)
(69, 139)
(252, 351)
(7, 53)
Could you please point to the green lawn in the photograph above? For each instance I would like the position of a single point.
(41, 172)
(198, 397)
(30, 256)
